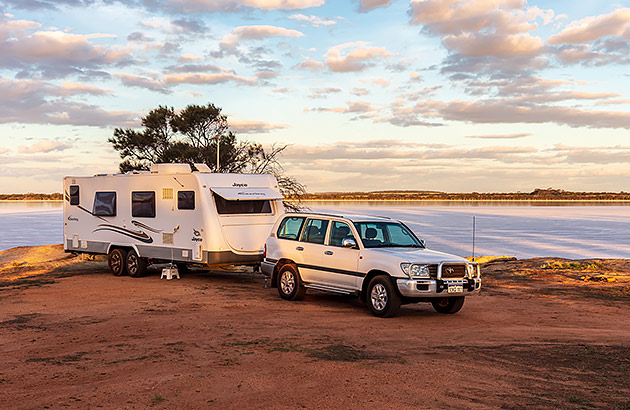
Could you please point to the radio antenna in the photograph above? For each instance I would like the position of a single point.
(473, 239)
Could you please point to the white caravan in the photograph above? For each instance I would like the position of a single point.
(170, 214)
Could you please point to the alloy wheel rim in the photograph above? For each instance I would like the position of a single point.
(287, 282)
(131, 264)
(115, 262)
(379, 296)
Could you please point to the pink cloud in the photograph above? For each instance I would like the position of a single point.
(595, 27)
(230, 41)
(360, 57)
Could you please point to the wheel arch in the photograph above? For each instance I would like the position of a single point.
(125, 246)
(281, 262)
(366, 281)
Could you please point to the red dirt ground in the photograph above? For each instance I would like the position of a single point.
(74, 336)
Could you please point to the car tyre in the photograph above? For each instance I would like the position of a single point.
(448, 305)
(382, 297)
(290, 286)
(117, 261)
(136, 266)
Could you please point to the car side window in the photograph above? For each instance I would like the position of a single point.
(290, 228)
(338, 232)
(315, 231)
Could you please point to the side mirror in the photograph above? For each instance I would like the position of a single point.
(349, 243)
(423, 243)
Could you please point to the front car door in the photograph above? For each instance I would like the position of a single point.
(339, 265)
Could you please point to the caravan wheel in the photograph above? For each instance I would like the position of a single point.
(136, 266)
(116, 261)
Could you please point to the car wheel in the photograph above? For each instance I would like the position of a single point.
(136, 266)
(448, 305)
(116, 261)
(290, 286)
(382, 297)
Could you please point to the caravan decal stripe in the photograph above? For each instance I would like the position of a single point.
(332, 270)
(139, 235)
(141, 225)
(85, 210)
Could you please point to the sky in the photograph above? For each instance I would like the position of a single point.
(445, 95)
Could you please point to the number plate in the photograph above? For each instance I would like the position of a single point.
(455, 288)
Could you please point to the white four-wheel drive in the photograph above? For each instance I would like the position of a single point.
(378, 259)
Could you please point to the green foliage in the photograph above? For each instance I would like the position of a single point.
(190, 136)
(187, 137)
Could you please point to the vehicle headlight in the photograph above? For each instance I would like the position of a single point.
(414, 270)
(472, 271)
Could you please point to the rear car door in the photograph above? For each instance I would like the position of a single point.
(311, 246)
(339, 265)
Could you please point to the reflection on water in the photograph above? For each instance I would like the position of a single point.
(578, 230)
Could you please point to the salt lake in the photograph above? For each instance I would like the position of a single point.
(575, 230)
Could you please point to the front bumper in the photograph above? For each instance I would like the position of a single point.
(434, 288)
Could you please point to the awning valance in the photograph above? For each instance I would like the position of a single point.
(235, 194)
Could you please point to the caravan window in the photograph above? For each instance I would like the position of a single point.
(185, 199)
(104, 204)
(74, 195)
(249, 206)
(143, 204)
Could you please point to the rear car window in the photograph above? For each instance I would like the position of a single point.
(290, 228)
(104, 204)
(315, 231)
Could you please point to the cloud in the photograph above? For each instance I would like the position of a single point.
(43, 146)
(479, 45)
(353, 107)
(323, 92)
(310, 64)
(231, 41)
(383, 82)
(501, 136)
(200, 78)
(360, 91)
(369, 5)
(454, 16)
(57, 53)
(131, 80)
(360, 57)
(253, 127)
(197, 68)
(40, 102)
(498, 111)
(312, 20)
(266, 75)
(592, 28)
(194, 6)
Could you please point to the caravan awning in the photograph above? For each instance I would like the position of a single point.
(235, 194)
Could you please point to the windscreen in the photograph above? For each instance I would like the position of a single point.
(386, 234)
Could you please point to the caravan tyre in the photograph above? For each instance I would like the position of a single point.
(290, 286)
(116, 260)
(136, 266)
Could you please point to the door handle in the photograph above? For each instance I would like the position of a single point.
(328, 252)
(299, 248)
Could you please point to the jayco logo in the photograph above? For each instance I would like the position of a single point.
(235, 185)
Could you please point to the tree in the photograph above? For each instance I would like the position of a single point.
(191, 136)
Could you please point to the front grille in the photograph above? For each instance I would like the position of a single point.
(453, 271)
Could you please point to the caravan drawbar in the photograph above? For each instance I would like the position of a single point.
(170, 214)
